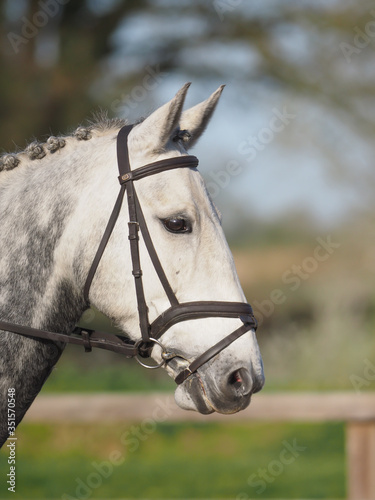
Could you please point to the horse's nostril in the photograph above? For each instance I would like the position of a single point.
(235, 379)
(241, 382)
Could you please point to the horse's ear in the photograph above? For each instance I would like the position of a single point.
(158, 128)
(195, 119)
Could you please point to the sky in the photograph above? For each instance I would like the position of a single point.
(264, 148)
(285, 171)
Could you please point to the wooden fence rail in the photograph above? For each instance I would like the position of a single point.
(357, 411)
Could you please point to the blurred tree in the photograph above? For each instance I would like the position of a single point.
(50, 55)
(60, 59)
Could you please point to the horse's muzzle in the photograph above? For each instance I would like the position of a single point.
(226, 393)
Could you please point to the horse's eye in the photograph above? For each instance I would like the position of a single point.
(177, 225)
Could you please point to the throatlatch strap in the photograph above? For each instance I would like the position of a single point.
(123, 163)
(103, 243)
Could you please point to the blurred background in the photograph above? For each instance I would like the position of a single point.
(288, 159)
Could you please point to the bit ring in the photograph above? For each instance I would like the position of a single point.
(155, 341)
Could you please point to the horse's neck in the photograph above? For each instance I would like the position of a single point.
(24, 366)
(26, 363)
(35, 288)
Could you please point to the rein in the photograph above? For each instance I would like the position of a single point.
(177, 312)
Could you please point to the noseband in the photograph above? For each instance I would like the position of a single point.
(177, 312)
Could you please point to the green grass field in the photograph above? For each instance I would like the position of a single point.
(136, 460)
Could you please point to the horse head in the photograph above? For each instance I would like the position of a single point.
(172, 288)
(185, 229)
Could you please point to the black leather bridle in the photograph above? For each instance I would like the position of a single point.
(177, 312)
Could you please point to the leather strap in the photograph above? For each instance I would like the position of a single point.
(159, 166)
(210, 353)
(103, 243)
(122, 160)
(80, 336)
(137, 221)
(122, 149)
(154, 256)
(201, 309)
(136, 262)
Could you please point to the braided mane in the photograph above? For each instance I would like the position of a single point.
(37, 150)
